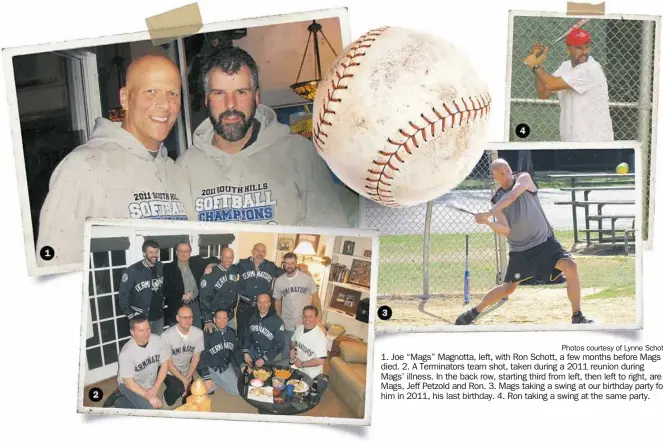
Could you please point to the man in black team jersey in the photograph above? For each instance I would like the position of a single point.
(534, 251)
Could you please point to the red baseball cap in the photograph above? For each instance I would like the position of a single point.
(578, 37)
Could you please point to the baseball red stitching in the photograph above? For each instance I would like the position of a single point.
(342, 73)
(378, 186)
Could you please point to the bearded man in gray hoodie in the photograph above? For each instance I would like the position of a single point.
(123, 171)
(245, 166)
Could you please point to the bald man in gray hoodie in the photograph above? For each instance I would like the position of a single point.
(123, 171)
(245, 166)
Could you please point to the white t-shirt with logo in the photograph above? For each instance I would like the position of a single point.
(585, 114)
(311, 344)
(295, 293)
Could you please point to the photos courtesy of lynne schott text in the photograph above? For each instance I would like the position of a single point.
(622, 372)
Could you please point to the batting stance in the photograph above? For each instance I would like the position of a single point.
(221, 356)
(142, 367)
(263, 343)
(219, 289)
(141, 288)
(534, 251)
(581, 87)
(185, 343)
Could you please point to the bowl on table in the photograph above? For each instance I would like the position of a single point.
(278, 382)
(283, 372)
(256, 382)
(262, 373)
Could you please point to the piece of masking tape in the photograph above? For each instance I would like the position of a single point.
(585, 9)
(173, 24)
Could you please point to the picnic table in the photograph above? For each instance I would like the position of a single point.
(619, 182)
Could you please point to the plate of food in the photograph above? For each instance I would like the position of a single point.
(300, 386)
(261, 394)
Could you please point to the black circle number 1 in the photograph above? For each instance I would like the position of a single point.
(47, 253)
(385, 312)
(522, 130)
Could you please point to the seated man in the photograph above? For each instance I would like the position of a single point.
(142, 367)
(219, 289)
(309, 344)
(220, 358)
(265, 335)
(185, 343)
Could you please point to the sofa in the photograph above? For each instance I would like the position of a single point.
(347, 375)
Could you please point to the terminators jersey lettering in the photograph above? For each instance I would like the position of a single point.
(142, 363)
(182, 350)
(311, 344)
(295, 294)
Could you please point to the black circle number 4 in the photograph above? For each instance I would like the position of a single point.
(522, 130)
(385, 312)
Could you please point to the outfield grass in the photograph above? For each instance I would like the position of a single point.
(401, 265)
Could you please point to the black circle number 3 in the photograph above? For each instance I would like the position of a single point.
(385, 312)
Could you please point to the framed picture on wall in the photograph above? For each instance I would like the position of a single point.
(313, 239)
(348, 248)
(360, 273)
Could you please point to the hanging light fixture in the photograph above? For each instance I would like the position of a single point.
(307, 89)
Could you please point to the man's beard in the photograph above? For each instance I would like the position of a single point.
(290, 271)
(582, 59)
(231, 132)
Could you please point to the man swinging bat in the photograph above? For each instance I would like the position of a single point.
(534, 251)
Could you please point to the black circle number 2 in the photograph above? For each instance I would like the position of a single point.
(385, 312)
(95, 394)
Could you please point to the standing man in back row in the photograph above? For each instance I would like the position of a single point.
(246, 166)
(293, 291)
(141, 288)
(581, 87)
(534, 251)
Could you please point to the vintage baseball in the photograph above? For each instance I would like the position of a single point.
(401, 117)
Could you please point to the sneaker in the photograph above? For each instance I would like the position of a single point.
(467, 317)
(579, 318)
(110, 402)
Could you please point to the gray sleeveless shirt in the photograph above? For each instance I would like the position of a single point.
(527, 220)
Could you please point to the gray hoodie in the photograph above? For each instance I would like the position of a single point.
(278, 179)
(111, 176)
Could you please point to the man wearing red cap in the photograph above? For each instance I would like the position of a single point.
(581, 87)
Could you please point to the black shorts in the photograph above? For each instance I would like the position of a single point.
(536, 263)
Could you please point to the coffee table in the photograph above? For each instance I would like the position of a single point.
(290, 407)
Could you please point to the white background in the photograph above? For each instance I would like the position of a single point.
(40, 323)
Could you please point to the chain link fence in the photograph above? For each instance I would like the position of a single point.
(624, 48)
(422, 248)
